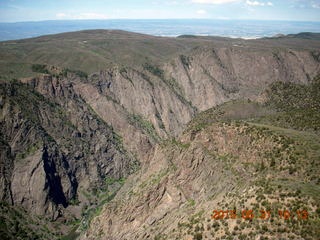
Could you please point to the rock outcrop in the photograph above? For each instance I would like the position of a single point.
(55, 148)
(223, 163)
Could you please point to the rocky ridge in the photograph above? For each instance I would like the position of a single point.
(225, 161)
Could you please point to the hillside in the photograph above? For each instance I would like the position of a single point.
(227, 160)
(53, 159)
(94, 50)
(105, 129)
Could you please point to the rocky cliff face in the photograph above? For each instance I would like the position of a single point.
(69, 139)
(168, 96)
(211, 76)
(223, 161)
(55, 148)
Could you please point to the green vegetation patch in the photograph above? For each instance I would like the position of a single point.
(154, 70)
(98, 197)
(39, 68)
(298, 105)
(30, 150)
(16, 223)
(146, 126)
(78, 73)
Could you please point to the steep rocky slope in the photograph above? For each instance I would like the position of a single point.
(227, 160)
(70, 138)
(54, 156)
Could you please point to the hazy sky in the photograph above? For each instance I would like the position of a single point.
(35, 10)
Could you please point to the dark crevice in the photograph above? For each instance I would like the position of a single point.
(53, 180)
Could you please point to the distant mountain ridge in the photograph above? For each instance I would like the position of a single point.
(303, 35)
(160, 27)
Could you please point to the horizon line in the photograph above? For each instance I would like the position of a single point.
(158, 19)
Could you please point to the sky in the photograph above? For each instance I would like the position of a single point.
(39, 10)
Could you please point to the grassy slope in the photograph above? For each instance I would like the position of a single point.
(93, 50)
(290, 110)
(88, 51)
(288, 177)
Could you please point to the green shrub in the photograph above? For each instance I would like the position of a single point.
(78, 73)
(154, 70)
(197, 236)
(39, 68)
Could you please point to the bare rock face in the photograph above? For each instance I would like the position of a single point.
(6, 172)
(211, 76)
(51, 152)
(182, 178)
(169, 95)
(220, 167)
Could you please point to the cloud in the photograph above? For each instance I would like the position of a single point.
(304, 4)
(315, 5)
(61, 15)
(201, 12)
(248, 2)
(89, 15)
(92, 16)
(214, 1)
(256, 3)
(172, 3)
